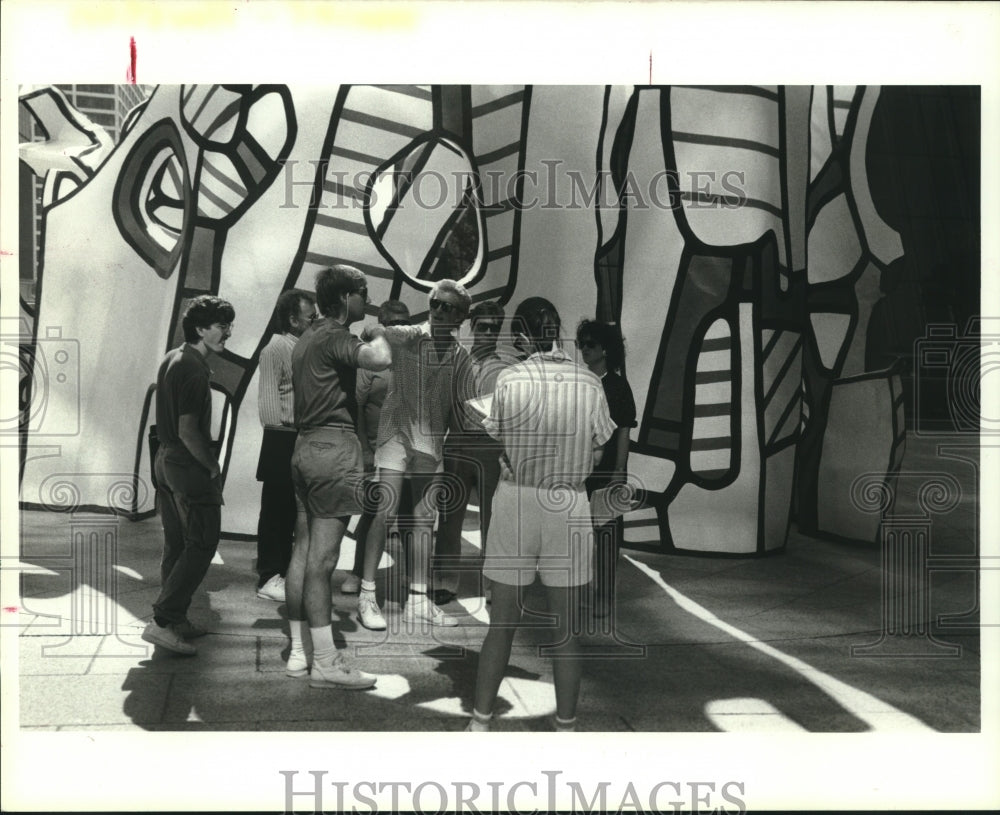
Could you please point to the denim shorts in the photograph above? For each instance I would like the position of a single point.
(327, 471)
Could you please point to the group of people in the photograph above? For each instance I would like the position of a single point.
(396, 426)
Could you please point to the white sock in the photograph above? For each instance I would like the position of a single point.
(323, 647)
(295, 626)
(480, 722)
(368, 586)
(418, 589)
(565, 725)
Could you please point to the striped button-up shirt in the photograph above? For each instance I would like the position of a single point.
(550, 414)
(275, 404)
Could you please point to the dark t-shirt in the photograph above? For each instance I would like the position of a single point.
(324, 375)
(621, 406)
(182, 386)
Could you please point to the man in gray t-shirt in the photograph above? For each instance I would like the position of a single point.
(327, 468)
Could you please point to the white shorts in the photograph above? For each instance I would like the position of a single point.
(534, 529)
(398, 454)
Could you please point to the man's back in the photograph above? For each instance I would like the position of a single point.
(550, 414)
(324, 376)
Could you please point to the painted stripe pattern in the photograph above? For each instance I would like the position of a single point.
(711, 431)
(781, 359)
(365, 139)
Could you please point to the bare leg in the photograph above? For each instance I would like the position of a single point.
(390, 484)
(296, 575)
(495, 654)
(325, 535)
(360, 539)
(566, 667)
(423, 530)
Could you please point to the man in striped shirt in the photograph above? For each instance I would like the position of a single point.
(294, 313)
(552, 417)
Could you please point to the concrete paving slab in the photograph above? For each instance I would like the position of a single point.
(95, 699)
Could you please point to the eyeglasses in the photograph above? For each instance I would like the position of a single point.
(443, 306)
(363, 291)
(589, 344)
(397, 322)
(492, 328)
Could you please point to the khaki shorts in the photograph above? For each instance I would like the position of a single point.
(396, 453)
(534, 530)
(327, 470)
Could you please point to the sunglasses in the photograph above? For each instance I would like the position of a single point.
(397, 322)
(492, 328)
(443, 306)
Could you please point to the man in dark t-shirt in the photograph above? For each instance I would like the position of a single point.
(189, 489)
(327, 468)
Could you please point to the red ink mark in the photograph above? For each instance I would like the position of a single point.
(6, 254)
(10, 609)
(130, 73)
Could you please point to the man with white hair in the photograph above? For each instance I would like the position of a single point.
(430, 373)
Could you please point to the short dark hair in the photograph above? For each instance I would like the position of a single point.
(333, 283)
(288, 306)
(608, 336)
(204, 311)
(487, 308)
(393, 310)
(537, 319)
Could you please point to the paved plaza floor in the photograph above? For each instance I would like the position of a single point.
(770, 644)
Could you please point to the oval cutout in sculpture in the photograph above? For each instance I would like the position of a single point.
(423, 211)
(152, 199)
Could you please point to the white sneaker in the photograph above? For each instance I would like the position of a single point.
(369, 612)
(167, 637)
(351, 585)
(297, 664)
(273, 589)
(421, 609)
(337, 673)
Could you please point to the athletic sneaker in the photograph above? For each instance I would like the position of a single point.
(421, 609)
(188, 630)
(337, 673)
(351, 584)
(369, 612)
(273, 589)
(166, 637)
(297, 664)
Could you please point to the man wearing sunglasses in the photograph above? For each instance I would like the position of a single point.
(430, 372)
(471, 455)
(327, 468)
